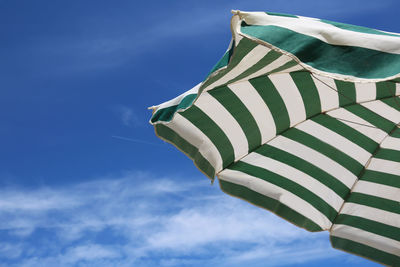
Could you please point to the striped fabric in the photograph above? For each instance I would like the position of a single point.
(301, 117)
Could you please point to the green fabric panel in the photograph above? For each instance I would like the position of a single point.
(369, 226)
(355, 28)
(347, 92)
(365, 251)
(381, 178)
(304, 166)
(375, 202)
(166, 114)
(269, 204)
(388, 154)
(190, 150)
(331, 152)
(205, 124)
(385, 89)
(341, 59)
(224, 61)
(273, 100)
(346, 131)
(282, 182)
(240, 113)
(308, 92)
(281, 14)
(396, 133)
(242, 49)
(371, 117)
(394, 102)
(266, 60)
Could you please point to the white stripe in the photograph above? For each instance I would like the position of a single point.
(197, 138)
(365, 92)
(372, 214)
(297, 176)
(280, 61)
(316, 158)
(255, 55)
(397, 88)
(383, 165)
(326, 32)
(336, 140)
(367, 238)
(378, 190)
(391, 143)
(291, 96)
(327, 91)
(257, 107)
(358, 124)
(292, 69)
(383, 110)
(225, 121)
(287, 198)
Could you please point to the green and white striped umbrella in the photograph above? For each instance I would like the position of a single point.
(301, 117)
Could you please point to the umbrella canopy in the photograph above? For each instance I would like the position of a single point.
(301, 117)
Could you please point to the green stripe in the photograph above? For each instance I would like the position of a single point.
(347, 92)
(205, 124)
(242, 49)
(240, 113)
(355, 28)
(281, 14)
(308, 91)
(282, 182)
(331, 152)
(381, 178)
(346, 131)
(285, 66)
(394, 102)
(365, 251)
(224, 61)
(385, 89)
(304, 166)
(270, 204)
(388, 154)
(342, 59)
(371, 117)
(369, 226)
(266, 60)
(396, 133)
(166, 114)
(193, 152)
(375, 202)
(273, 100)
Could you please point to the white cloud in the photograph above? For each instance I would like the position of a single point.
(137, 219)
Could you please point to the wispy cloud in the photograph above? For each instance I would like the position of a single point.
(137, 219)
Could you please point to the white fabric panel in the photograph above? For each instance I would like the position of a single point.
(383, 110)
(280, 61)
(371, 213)
(397, 88)
(378, 190)
(291, 96)
(257, 107)
(343, 144)
(177, 99)
(287, 198)
(391, 143)
(299, 177)
(197, 138)
(327, 91)
(382, 165)
(367, 238)
(365, 92)
(225, 121)
(358, 124)
(316, 158)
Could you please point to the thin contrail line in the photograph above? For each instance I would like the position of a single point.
(134, 140)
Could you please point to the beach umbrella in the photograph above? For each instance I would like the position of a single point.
(301, 117)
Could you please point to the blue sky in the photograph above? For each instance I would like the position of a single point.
(83, 179)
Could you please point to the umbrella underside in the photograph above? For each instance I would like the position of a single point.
(301, 117)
